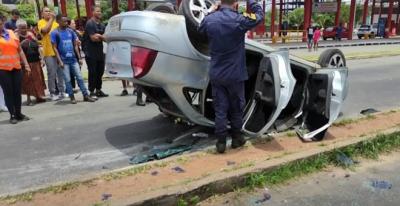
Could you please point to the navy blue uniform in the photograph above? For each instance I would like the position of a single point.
(226, 30)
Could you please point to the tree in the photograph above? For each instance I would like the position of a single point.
(296, 17)
(28, 13)
(71, 9)
(324, 19)
(4, 10)
(106, 8)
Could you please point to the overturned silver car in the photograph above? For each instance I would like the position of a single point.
(163, 54)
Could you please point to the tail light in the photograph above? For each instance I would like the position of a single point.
(141, 60)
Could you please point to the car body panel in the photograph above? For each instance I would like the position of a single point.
(337, 88)
(284, 84)
(179, 66)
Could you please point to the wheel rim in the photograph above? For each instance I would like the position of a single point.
(200, 8)
(336, 61)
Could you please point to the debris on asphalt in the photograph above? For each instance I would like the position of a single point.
(77, 157)
(105, 196)
(382, 184)
(172, 151)
(368, 111)
(154, 173)
(105, 168)
(344, 160)
(347, 176)
(200, 134)
(333, 175)
(178, 169)
(266, 196)
(157, 154)
(229, 163)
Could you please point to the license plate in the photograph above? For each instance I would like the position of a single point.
(114, 25)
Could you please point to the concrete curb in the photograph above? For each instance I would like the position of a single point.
(226, 182)
(339, 44)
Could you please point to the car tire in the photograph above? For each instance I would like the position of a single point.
(324, 38)
(198, 40)
(330, 58)
(359, 37)
(162, 7)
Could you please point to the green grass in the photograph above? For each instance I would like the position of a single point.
(367, 149)
(344, 122)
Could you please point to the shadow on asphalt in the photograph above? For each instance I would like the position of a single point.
(141, 138)
(145, 134)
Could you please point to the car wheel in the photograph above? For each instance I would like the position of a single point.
(194, 12)
(330, 58)
(359, 37)
(325, 38)
(162, 7)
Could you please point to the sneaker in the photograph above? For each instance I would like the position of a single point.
(63, 95)
(124, 93)
(93, 95)
(100, 93)
(13, 120)
(54, 97)
(3, 109)
(73, 101)
(87, 98)
(22, 117)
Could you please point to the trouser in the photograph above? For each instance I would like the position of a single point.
(96, 71)
(73, 81)
(74, 70)
(310, 40)
(2, 103)
(54, 74)
(11, 82)
(228, 98)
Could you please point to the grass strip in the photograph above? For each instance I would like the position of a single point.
(369, 149)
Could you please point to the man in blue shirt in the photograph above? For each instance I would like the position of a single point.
(12, 23)
(64, 42)
(226, 30)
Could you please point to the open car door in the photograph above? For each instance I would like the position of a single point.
(273, 89)
(326, 91)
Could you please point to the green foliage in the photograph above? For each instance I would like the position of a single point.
(324, 19)
(106, 8)
(296, 17)
(72, 11)
(367, 149)
(28, 12)
(4, 10)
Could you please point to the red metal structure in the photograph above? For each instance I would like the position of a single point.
(63, 4)
(273, 6)
(337, 16)
(365, 12)
(351, 20)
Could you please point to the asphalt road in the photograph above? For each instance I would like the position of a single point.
(65, 142)
(331, 187)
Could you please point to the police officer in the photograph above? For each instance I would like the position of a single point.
(226, 30)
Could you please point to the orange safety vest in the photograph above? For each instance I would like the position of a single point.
(9, 55)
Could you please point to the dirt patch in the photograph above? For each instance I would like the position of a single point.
(161, 175)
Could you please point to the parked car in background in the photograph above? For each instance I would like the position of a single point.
(330, 32)
(367, 30)
(282, 91)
